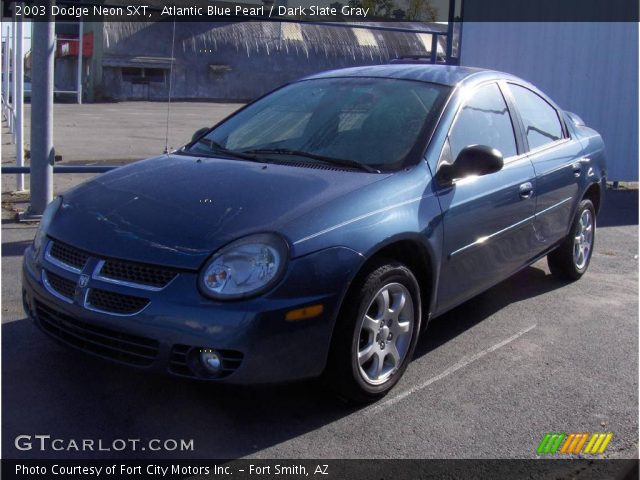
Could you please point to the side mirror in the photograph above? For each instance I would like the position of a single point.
(472, 160)
(199, 133)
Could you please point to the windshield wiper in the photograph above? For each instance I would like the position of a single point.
(327, 160)
(218, 148)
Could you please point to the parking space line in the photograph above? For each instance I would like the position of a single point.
(457, 366)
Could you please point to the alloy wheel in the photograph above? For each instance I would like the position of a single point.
(583, 239)
(385, 333)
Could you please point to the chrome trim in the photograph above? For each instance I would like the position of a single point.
(88, 306)
(59, 263)
(483, 240)
(549, 146)
(52, 291)
(96, 272)
(553, 206)
(96, 275)
(513, 159)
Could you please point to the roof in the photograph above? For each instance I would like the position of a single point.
(443, 74)
(137, 61)
(360, 44)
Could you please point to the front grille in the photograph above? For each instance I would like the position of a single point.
(137, 273)
(68, 254)
(103, 342)
(115, 302)
(64, 287)
(178, 361)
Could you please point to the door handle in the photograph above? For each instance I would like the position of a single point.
(577, 169)
(526, 190)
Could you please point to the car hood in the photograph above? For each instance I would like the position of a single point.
(176, 210)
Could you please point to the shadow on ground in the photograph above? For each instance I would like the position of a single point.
(529, 283)
(15, 249)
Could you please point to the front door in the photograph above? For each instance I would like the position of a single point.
(487, 220)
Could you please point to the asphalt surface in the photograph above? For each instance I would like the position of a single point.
(125, 131)
(489, 379)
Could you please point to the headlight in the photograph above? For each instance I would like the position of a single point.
(45, 222)
(245, 268)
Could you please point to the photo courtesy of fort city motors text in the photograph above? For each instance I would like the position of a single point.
(341, 239)
(171, 470)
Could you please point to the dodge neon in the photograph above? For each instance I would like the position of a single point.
(317, 230)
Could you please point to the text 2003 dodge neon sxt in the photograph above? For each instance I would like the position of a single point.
(318, 229)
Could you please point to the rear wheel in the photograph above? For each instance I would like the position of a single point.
(571, 259)
(376, 333)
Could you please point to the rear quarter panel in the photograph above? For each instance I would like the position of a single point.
(594, 155)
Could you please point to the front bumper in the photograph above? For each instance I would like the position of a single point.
(257, 343)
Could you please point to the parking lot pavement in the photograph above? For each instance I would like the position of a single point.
(118, 132)
(489, 379)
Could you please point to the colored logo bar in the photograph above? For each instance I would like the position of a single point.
(573, 443)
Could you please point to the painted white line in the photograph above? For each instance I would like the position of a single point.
(457, 366)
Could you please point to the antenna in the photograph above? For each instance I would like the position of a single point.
(173, 46)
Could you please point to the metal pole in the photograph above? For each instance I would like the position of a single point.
(450, 25)
(42, 151)
(14, 42)
(19, 103)
(10, 75)
(80, 47)
(5, 80)
(2, 55)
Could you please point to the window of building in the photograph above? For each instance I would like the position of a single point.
(142, 75)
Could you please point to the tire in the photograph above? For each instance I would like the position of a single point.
(571, 259)
(385, 339)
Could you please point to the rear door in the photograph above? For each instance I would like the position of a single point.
(556, 160)
(488, 232)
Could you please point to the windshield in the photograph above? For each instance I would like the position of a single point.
(372, 123)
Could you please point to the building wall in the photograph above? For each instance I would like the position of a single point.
(243, 60)
(587, 68)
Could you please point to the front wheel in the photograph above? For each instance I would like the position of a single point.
(571, 259)
(376, 333)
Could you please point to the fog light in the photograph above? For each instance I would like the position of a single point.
(211, 361)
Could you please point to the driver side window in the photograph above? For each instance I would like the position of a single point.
(483, 120)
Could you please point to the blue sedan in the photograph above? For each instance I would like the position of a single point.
(317, 230)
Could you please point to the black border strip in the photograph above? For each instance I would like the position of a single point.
(365, 469)
(470, 10)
